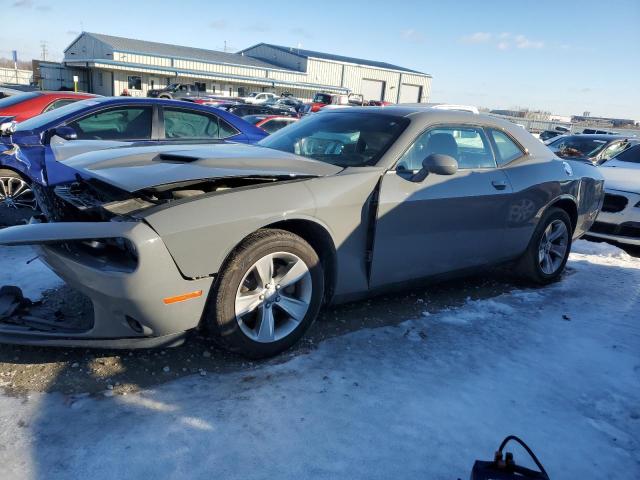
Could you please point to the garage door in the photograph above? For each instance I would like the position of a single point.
(410, 93)
(372, 89)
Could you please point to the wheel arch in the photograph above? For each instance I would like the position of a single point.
(320, 239)
(14, 170)
(315, 234)
(569, 205)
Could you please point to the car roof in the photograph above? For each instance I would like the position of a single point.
(152, 101)
(456, 116)
(65, 92)
(596, 136)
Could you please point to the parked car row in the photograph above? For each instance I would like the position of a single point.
(33, 152)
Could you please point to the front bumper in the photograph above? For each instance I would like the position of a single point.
(618, 221)
(129, 308)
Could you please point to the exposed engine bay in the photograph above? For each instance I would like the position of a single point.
(94, 200)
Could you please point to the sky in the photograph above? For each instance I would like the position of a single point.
(565, 57)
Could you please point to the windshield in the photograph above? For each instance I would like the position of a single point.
(172, 86)
(45, 118)
(577, 146)
(16, 99)
(322, 98)
(253, 94)
(342, 139)
(631, 155)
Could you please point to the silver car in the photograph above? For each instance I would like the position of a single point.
(248, 242)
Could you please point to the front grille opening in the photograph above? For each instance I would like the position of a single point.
(61, 310)
(614, 203)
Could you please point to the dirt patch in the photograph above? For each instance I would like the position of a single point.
(45, 369)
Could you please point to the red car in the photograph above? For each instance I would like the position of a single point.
(270, 123)
(321, 100)
(18, 108)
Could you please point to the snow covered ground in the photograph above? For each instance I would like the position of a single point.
(21, 267)
(558, 366)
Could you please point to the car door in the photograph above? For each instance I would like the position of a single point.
(118, 126)
(445, 222)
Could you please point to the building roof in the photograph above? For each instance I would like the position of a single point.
(143, 47)
(336, 58)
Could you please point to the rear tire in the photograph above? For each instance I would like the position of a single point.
(549, 248)
(267, 295)
(17, 200)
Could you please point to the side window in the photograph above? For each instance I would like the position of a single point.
(226, 130)
(179, 123)
(126, 123)
(58, 103)
(468, 145)
(613, 149)
(507, 150)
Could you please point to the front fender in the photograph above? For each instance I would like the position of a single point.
(201, 233)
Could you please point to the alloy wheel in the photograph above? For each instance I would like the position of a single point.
(553, 247)
(16, 193)
(273, 297)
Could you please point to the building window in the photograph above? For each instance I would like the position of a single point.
(100, 80)
(201, 86)
(135, 82)
(242, 92)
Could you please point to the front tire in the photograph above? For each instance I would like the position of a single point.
(549, 248)
(17, 200)
(267, 295)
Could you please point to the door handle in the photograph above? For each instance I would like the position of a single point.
(499, 185)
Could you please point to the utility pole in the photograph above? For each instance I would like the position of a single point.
(44, 51)
(225, 46)
(14, 53)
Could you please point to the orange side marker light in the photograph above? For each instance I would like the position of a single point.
(182, 298)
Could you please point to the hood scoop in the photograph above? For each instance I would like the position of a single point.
(175, 158)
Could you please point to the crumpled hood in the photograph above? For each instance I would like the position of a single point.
(623, 176)
(133, 169)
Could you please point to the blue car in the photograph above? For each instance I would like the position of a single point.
(36, 149)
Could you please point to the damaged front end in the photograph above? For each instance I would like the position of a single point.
(96, 238)
(98, 235)
(125, 271)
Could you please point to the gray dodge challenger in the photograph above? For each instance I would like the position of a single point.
(248, 242)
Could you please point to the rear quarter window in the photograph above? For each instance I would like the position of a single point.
(506, 149)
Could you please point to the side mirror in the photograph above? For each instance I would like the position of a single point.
(437, 164)
(64, 132)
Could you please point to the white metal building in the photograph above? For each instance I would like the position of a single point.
(111, 64)
(18, 76)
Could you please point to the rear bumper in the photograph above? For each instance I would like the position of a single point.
(129, 309)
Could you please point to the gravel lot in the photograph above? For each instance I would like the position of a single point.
(25, 369)
(437, 385)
